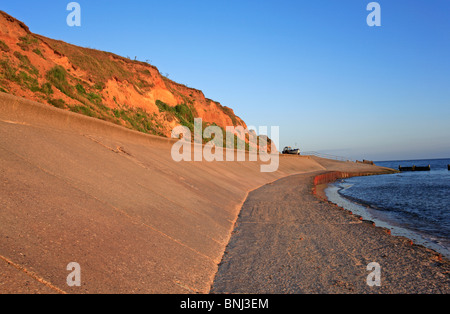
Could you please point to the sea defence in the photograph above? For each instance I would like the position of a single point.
(415, 168)
(77, 189)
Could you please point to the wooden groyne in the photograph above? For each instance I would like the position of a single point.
(367, 162)
(415, 168)
(336, 175)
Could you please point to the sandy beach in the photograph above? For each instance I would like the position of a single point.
(76, 189)
(287, 240)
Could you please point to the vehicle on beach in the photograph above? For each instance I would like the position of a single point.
(288, 150)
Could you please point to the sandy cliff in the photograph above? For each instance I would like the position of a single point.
(100, 84)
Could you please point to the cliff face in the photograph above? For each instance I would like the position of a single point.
(100, 84)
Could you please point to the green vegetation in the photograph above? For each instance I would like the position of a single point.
(143, 84)
(26, 41)
(4, 47)
(139, 120)
(9, 72)
(22, 58)
(99, 86)
(26, 64)
(87, 97)
(229, 139)
(58, 103)
(185, 116)
(182, 112)
(80, 89)
(87, 111)
(92, 104)
(229, 112)
(94, 98)
(57, 76)
(39, 53)
(29, 82)
(101, 65)
(47, 89)
(24, 79)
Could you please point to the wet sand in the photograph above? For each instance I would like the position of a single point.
(286, 240)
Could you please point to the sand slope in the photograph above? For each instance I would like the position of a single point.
(76, 189)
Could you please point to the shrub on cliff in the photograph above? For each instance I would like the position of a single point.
(4, 47)
(57, 76)
(58, 103)
(25, 63)
(182, 112)
(26, 41)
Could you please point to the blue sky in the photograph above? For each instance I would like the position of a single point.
(314, 68)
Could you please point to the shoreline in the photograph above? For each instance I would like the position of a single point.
(289, 241)
(331, 192)
(359, 210)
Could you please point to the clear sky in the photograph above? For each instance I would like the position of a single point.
(314, 68)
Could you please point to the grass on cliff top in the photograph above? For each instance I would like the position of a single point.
(86, 99)
(100, 65)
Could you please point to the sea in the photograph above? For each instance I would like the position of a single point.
(412, 204)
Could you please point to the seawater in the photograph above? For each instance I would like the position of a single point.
(411, 204)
